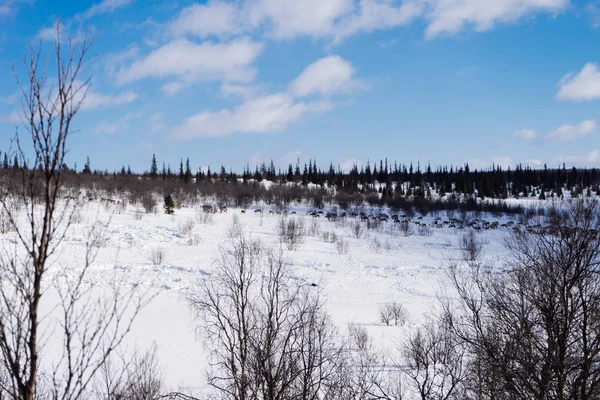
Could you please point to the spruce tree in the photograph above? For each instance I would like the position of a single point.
(153, 168)
(169, 205)
(87, 168)
(188, 171)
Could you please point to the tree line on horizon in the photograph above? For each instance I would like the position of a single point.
(383, 177)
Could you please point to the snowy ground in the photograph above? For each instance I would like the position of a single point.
(380, 267)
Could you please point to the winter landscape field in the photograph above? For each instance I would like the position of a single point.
(357, 265)
(299, 200)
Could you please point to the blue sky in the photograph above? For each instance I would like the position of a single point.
(237, 82)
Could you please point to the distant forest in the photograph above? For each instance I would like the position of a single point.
(399, 186)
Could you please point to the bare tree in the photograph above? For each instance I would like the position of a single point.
(533, 331)
(269, 336)
(91, 325)
(470, 246)
(434, 357)
(393, 313)
(291, 232)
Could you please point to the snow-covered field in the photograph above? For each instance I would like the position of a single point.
(381, 266)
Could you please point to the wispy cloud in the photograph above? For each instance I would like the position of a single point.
(95, 100)
(449, 17)
(337, 20)
(527, 134)
(582, 86)
(263, 114)
(12, 117)
(106, 6)
(274, 112)
(566, 133)
(325, 76)
(478, 163)
(188, 62)
(593, 157)
(111, 127)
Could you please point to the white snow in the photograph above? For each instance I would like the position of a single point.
(380, 267)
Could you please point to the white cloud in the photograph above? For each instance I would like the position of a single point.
(190, 62)
(567, 133)
(9, 7)
(288, 19)
(527, 134)
(374, 15)
(291, 157)
(592, 157)
(112, 127)
(270, 113)
(593, 9)
(339, 19)
(48, 33)
(349, 163)
(13, 117)
(215, 18)
(243, 91)
(106, 6)
(10, 99)
(325, 76)
(95, 100)
(478, 163)
(452, 16)
(504, 162)
(261, 115)
(173, 88)
(583, 86)
(534, 162)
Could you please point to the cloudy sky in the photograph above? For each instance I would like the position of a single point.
(246, 81)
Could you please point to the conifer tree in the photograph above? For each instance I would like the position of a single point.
(87, 167)
(169, 205)
(153, 168)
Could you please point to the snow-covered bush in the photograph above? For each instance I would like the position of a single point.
(393, 313)
(291, 232)
(341, 246)
(186, 227)
(157, 256)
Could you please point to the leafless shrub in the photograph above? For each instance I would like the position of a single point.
(393, 313)
(314, 228)
(194, 240)
(6, 225)
(405, 228)
(543, 306)
(140, 378)
(329, 236)
(435, 361)
(471, 246)
(97, 236)
(119, 207)
(157, 256)
(284, 343)
(138, 214)
(424, 230)
(290, 232)
(185, 227)
(359, 337)
(236, 228)
(203, 217)
(149, 203)
(357, 230)
(376, 243)
(341, 246)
